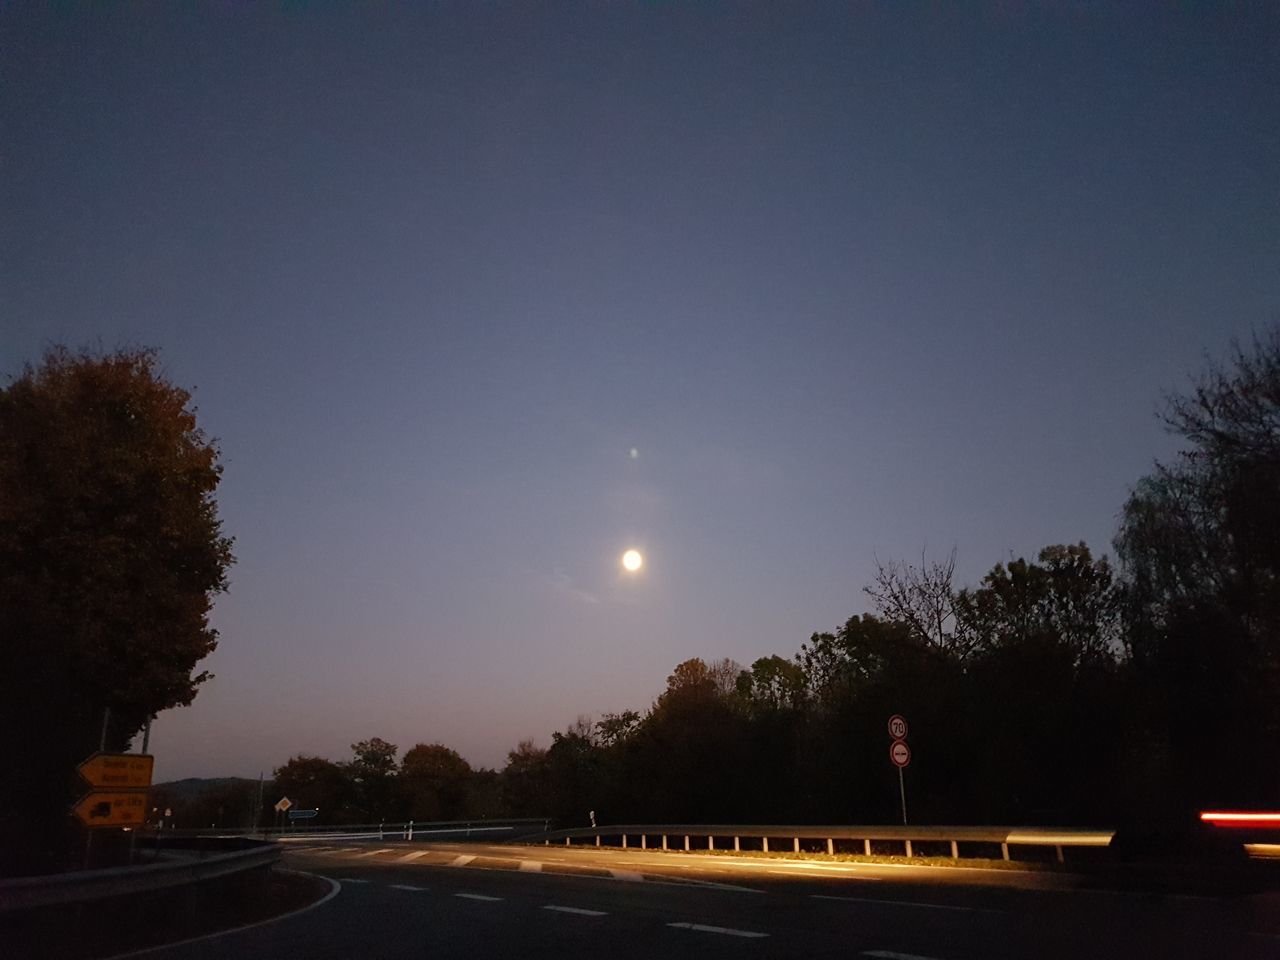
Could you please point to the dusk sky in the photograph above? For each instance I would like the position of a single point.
(852, 281)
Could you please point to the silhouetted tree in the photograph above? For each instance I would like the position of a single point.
(373, 772)
(1200, 545)
(314, 782)
(434, 782)
(111, 552)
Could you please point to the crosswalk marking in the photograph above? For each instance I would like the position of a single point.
(413, 856)
(372, 853)
(462, 860)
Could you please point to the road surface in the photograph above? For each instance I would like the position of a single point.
(399, 900)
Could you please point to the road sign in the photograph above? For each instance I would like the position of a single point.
(898, 727)
(283, 804)
(303, 814)
(118, 771)
(112, 808)
(900, 753)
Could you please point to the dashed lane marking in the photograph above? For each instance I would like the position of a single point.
(372, 853)
(409, 857)
(405, 886)
(727, 931)
(461, 860)
(630, 875)
(477, 896)
(351, 880)
(789, 873)
(577, 910)
(893, 955)
(906, 903)
(530, 866)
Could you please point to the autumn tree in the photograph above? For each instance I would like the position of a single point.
(111, 553)
(434, 782)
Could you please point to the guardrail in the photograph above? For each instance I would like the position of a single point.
(401, 829)
(25, 893)
(835, 839)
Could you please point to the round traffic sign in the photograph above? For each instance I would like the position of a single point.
(899, 753)
(898, 727)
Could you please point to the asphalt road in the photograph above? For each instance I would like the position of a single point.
(409, 900)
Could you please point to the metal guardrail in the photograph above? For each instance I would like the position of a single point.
(386, 830)
(24, 893)
(1056, 838)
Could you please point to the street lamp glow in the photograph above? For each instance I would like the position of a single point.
(632, 561)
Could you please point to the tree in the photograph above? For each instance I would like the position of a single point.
(1200, 547)
(373, 772)
(316, 783)
(434, 781)
(111, 553)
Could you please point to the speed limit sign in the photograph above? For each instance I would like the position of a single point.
(898, 727)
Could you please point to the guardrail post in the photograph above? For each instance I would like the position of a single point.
(1004, 850)
(380, 831)
(566, 841)
(795, 844)
(955, 850)
(624, 841)
(736, 845)
(664, 841)
(644, 842)
(909, 853)
(686, 841)
(831, 847)
(410, 836)
(711, 842)
(766, 844)
(866, 847)
(597, 839)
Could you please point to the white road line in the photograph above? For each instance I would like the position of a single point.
(630, 875)
(727, 931)
(412, 856)
(788, 873)
(405, 886)
(530, 866)
(907, 903)
(892, 955)
(577, 910)
(461, 860)
(711, 884)
(477, 896)
(372, 853)
(351, 880)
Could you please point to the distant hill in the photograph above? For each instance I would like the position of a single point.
(192, 787)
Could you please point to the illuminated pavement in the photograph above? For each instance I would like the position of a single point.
(402, 900)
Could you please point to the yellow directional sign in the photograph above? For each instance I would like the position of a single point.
(118, 771)
(111, 808)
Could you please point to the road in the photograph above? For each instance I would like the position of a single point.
(437, 900)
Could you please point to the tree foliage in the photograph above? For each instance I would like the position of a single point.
(111, 553)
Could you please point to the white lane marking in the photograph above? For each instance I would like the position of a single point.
(351, 880)
(315, 849)
(334, 888)
(413, 856)
(712, 885)
(372, 853)
(892, 955)
(578, 910)
(907, 903)
(477, 896)
(787, 873)
(530, 866)
(728, 931)
(405, 886)
(630, 875)
(461, 860)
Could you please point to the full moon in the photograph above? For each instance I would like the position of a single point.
(632, 560)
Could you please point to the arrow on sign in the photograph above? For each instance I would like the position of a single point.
(111, 808)
(118, 771)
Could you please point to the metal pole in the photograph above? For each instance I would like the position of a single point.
(106, 717)
(902, 790)
(146, 735)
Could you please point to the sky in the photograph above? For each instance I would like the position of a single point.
(475, 297)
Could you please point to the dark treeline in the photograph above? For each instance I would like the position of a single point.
(1056, 690)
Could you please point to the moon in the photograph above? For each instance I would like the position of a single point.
(632, 561)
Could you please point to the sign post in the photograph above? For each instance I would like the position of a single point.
(900, 755)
